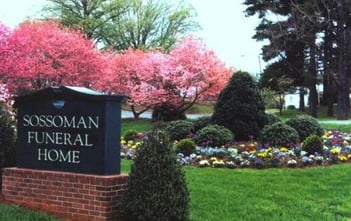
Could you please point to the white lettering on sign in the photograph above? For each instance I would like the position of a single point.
(77, 123)
(58, 138)
(54, 155)
(59, 121)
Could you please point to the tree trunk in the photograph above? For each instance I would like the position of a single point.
(343, 96)
(312, 82)
(313, 100)
(343, 37)
(302, 99)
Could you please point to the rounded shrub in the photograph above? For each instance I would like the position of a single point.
(240, 107)
(167, 112)
(179, 129)
(313, 144)
(213, 135)
(279, 134)
(305, 125)
(186, 146)
(130, 135)
(272, 118)
(156, 189)
(202, 122)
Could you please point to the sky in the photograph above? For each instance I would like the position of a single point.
(224, 28)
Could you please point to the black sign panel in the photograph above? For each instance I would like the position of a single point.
(69, 129)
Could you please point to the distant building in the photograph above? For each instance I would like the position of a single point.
(292, 97)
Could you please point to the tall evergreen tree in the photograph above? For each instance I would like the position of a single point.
(322, 28)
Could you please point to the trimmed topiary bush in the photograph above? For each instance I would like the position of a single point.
(167, 112)
(179, 129)
(279, 135)
(313, 144)
(240, 107)
(305, 125)
(213, 135)
(202, 122)
(156, 189)
(186, 146)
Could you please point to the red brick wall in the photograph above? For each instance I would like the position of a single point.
(72, 196)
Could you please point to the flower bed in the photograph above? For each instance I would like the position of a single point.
(337, 149)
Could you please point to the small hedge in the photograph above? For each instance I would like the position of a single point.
(272, 118)
(202, 122)
(313, 144)
(186, 146)
(213, 135)
(305, 126)
(279, 134)
(179, 129)
(167, 112)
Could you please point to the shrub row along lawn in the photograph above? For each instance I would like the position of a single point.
(318, 193)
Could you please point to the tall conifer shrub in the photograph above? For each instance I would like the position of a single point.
(157, 189)
(240, 107)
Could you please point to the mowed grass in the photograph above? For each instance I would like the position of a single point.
(140, 125)
(313, 194)
(16, 213)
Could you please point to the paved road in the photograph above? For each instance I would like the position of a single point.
(128, 114)
(341, 122)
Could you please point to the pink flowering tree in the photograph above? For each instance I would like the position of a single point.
(197, 73)
(190, 73)
(138, 75)
(40, 54)
(5, 96)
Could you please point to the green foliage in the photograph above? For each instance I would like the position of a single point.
(141, 124)
(240, 107)
(121, 24)
(130, 135)
(272, 118)
(167, 112)
(157, 189)
(313, 144)
(179, 129)
(202, 122)
(305, 125)
(291, 107)
(213, 135)
(7, 139)
(279, 134)
(17, 213)
(186, 146)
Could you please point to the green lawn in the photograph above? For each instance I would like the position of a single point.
(15, 213)
(313, 194)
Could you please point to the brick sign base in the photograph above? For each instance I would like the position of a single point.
(72, 196)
